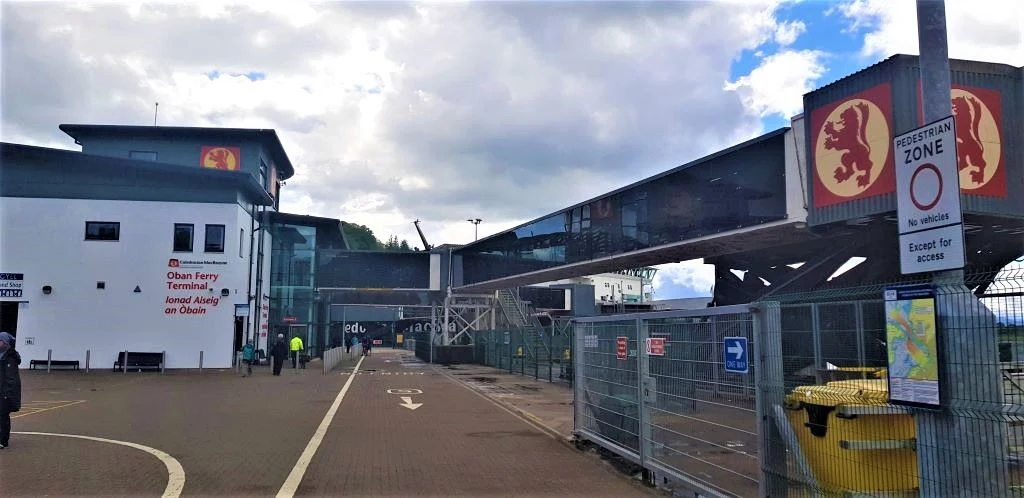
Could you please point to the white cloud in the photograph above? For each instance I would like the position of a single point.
(692, 274)
(391, 111)
(985, 30)
(778, 84)
(786, 33)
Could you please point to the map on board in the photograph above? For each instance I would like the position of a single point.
(913, 350)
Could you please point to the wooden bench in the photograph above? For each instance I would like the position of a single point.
(73, 364)
(139, 361)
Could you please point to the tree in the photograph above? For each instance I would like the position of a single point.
(404, 246)
(360, 237)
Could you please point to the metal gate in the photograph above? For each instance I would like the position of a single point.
(654, 388)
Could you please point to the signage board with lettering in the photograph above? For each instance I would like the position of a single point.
(12, 285)
(928, 199)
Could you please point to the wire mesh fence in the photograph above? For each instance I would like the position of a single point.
(544, 353)
(655, 389)
(908, 390)
(913, 389)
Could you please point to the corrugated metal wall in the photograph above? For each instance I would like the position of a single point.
(903, 73)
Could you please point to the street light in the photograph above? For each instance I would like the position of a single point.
(476, 226)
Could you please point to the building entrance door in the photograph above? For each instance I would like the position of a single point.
(9, 317)
(239, 332)
(301, 330)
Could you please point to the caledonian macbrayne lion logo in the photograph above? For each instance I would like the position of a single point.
(224, 158)
(852, 139)
(851, 149)
(977, 140)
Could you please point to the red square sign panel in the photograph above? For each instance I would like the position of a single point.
(621, 348)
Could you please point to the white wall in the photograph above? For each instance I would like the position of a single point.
(44, 240)
(614, 281)
(796, 170)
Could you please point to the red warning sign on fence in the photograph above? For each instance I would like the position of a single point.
(621, 348)
(656, 346)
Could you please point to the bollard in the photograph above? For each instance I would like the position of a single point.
(200, 362)
(163, 360)
(49, 357)
(87, 355)
(124, 366)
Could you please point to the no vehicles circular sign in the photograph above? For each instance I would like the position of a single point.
(928, 199)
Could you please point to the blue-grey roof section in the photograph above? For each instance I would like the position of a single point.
(30, 171)
(266, 137)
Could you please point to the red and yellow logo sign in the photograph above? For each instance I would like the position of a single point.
(852, 147)
(977, 114)
(225, 158)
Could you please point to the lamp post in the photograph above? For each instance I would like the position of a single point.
(476, 226)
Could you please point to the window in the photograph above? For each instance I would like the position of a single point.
(241, 242)
(102, 230)
(145, 155)
(263, 173)
(214, 238)
(183, 237)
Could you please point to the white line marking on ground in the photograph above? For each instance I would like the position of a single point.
(291, 484)
(175, 473)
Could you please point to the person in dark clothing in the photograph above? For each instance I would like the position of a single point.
(10, 386)
(279, 352)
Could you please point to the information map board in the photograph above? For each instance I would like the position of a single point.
(912, 341)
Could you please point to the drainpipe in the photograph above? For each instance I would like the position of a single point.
(248, 281)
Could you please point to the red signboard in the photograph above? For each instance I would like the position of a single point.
(290, 319)
(377, 342)
(621, 348)
(852, 147)
(978, 113)
(656, 346)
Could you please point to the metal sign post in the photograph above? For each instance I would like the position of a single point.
(958, 454)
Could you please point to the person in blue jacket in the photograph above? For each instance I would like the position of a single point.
(248, 356)
(10, 386)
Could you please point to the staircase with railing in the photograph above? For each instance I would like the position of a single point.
(514, 309)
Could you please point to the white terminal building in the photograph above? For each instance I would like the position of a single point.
(151, 239)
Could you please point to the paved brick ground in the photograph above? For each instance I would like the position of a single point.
(242, 436)
(456, 444)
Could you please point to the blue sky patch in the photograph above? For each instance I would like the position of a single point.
(251, 75)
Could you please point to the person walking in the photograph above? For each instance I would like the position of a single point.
(279, 352)
(296, 347)
(10, 386)
(248, 356)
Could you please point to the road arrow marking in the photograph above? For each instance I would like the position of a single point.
(736, 350)
(409, 404)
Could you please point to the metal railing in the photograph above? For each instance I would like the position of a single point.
(332, 357)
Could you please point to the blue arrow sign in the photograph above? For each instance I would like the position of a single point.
(737, 354)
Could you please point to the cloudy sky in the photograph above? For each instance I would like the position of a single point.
(503, 111)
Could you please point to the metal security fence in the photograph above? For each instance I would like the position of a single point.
(655, 388)
(913, 389)
(904, 390)
(544, 353)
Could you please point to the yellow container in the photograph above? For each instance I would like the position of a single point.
(853, 440)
